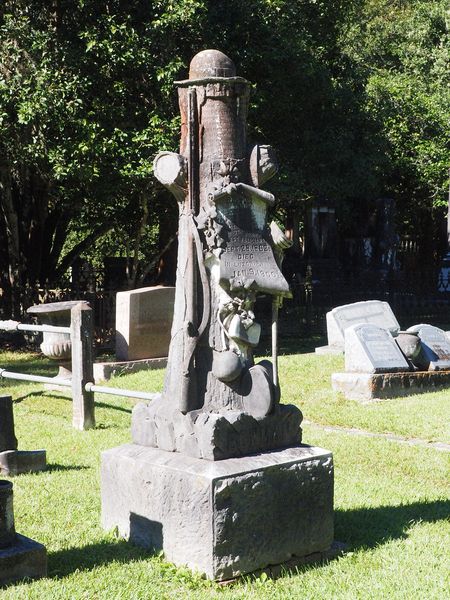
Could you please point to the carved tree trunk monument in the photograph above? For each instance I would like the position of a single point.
(216, 475)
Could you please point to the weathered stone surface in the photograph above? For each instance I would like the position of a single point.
(435, 355)
(14, 462)
(374, 312)
(8, 440)
(372, 349)
(143, 322)
(214, 436)
(365, 387)
(25, 559)
(222, 518)
(103, 371)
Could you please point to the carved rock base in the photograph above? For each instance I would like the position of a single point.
(214, 436)
(225, 518)
(15, 462)
(25, 559)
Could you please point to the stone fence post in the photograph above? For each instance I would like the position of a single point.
(81, 333)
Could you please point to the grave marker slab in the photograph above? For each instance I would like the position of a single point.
(435, 346)
(374, 312)
(372, 349)
(143, 322)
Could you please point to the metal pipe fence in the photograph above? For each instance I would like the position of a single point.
(82, 382)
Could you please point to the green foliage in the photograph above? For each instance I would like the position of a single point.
(353, 94)
(404, 49)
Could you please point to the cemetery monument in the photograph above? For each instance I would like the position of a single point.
(143, 321)
(20, 556)
(379, 365)
(12, 460)
(216, 475)
(375, 312)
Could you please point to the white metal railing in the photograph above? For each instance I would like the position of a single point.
(81, 333)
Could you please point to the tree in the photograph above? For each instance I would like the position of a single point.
(404, 49)
(84, 105)
(353, 94)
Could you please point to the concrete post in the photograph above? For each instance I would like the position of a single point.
(81, 326)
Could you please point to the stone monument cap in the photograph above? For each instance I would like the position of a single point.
(54, 307)
(211, 63)
(211, 66)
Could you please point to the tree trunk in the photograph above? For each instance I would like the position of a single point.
(13, 243)
(133, 259)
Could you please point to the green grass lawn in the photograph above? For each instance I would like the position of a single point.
(391, 499)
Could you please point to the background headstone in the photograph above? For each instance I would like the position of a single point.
(143, 322)
(374, 312)
(435, 347)
(372, 349)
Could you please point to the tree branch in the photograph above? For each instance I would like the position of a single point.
(71, 256)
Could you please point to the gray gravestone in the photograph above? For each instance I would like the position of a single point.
(143, 322)
(12, 460)
(20, 556)
(224, 518)
(372, 349)
(435, 346)
(374, 312)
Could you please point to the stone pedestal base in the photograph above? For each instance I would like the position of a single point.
(224, 518)
(103, 371)
(25, 559)
(365, 387)
(14, 462)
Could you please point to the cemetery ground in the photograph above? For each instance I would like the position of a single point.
(391, 494)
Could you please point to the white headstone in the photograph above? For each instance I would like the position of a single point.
(143, 322)
(435, 346)
(374, 312)
(372, 349)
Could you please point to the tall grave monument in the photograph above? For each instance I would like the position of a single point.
(216, 475)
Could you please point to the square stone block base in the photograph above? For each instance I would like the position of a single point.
(222, 518)
(15, 462)
(365, 387)
(25, 559)
(103, 371)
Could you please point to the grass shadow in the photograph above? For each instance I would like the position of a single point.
(65, 562)
(40, 393)
(30, 367)
(368, 527)
(360, 528)
(53, 394)
(55, 467)
(113, 406)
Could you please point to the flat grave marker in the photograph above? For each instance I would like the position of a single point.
(371, 349)
(435, 346)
